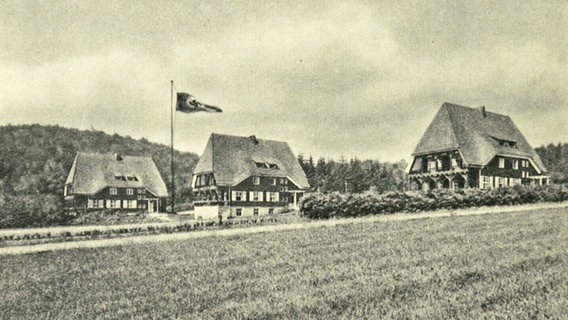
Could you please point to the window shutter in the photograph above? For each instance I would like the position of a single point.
(277, 198)
(251, 195)
(108, 204)
(261, 196)
(233, 195)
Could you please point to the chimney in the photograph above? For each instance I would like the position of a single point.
(483, 112)
(253, 139)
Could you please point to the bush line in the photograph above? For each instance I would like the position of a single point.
(336, 205)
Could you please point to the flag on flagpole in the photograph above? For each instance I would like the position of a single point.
(188, 104)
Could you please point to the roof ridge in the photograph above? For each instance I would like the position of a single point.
(452, 125)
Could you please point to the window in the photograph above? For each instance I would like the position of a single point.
(255, 211)
(515, 164)
(501, 182)
(272, 181)
(112, 191)
(256, 180)
(239, 212)
(238, 195)
(485, 182)
(270, 210)
(255, 196)
(285, 199)
(266, 165)
(283, 181)
(131, 178)
(129, 191)
(501, 163)
(113, 203)
(431, 165)
(273, 196)
(95, 203)
(454, 163)
(132, 204)
(525, 174)
(141, 191)
(439, 164)
(284, 189)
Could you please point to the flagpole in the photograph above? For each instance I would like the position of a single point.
(173, 187)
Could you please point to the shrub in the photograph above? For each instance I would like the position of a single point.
(325, 206)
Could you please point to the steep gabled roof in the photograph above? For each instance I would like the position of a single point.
(233, 159)
(477, 133)
(91, 172)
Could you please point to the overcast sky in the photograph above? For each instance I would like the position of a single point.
(332, 78)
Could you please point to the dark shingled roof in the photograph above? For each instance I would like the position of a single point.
(233, 158)
(92, 172)
(475, 132)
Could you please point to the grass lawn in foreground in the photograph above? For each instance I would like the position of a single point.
(510, 265)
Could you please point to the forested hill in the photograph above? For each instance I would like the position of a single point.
(36, 159)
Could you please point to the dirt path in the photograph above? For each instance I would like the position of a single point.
(272, 228)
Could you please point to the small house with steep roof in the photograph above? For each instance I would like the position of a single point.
(472, 147)
(246, 176)
(113, 181)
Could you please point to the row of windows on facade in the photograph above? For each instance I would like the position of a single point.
(255, 211)
(257, 196)
(129, 191)
(116, 204)
(488, 182)
(271, 181)
(437, 164)
(515, 165)
(241, 196)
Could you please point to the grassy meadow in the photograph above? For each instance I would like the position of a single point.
(495, 266)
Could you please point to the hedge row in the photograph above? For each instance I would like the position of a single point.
(11, 239)
(336, 205)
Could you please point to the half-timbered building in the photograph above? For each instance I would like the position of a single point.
(472, 147)
(112, 181)
(246, 176)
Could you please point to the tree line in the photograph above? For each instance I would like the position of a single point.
(354, 176)
(555, 158)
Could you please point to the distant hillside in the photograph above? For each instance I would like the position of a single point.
(36, 159)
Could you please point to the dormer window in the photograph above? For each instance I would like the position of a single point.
(256, 180)
(505, 143)
(266, 165)
(131, 178)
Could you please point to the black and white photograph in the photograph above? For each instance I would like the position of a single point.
(283, 159)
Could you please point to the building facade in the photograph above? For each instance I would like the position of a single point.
(245, 176)
(472, 148)
(106, 181)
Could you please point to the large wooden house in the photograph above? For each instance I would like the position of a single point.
(107, 181)
(245, 176)
(472, 147)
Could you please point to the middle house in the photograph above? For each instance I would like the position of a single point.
(242, 176)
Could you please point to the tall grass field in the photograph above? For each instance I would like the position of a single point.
(495, 266)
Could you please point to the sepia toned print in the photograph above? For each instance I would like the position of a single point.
(283, 160)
